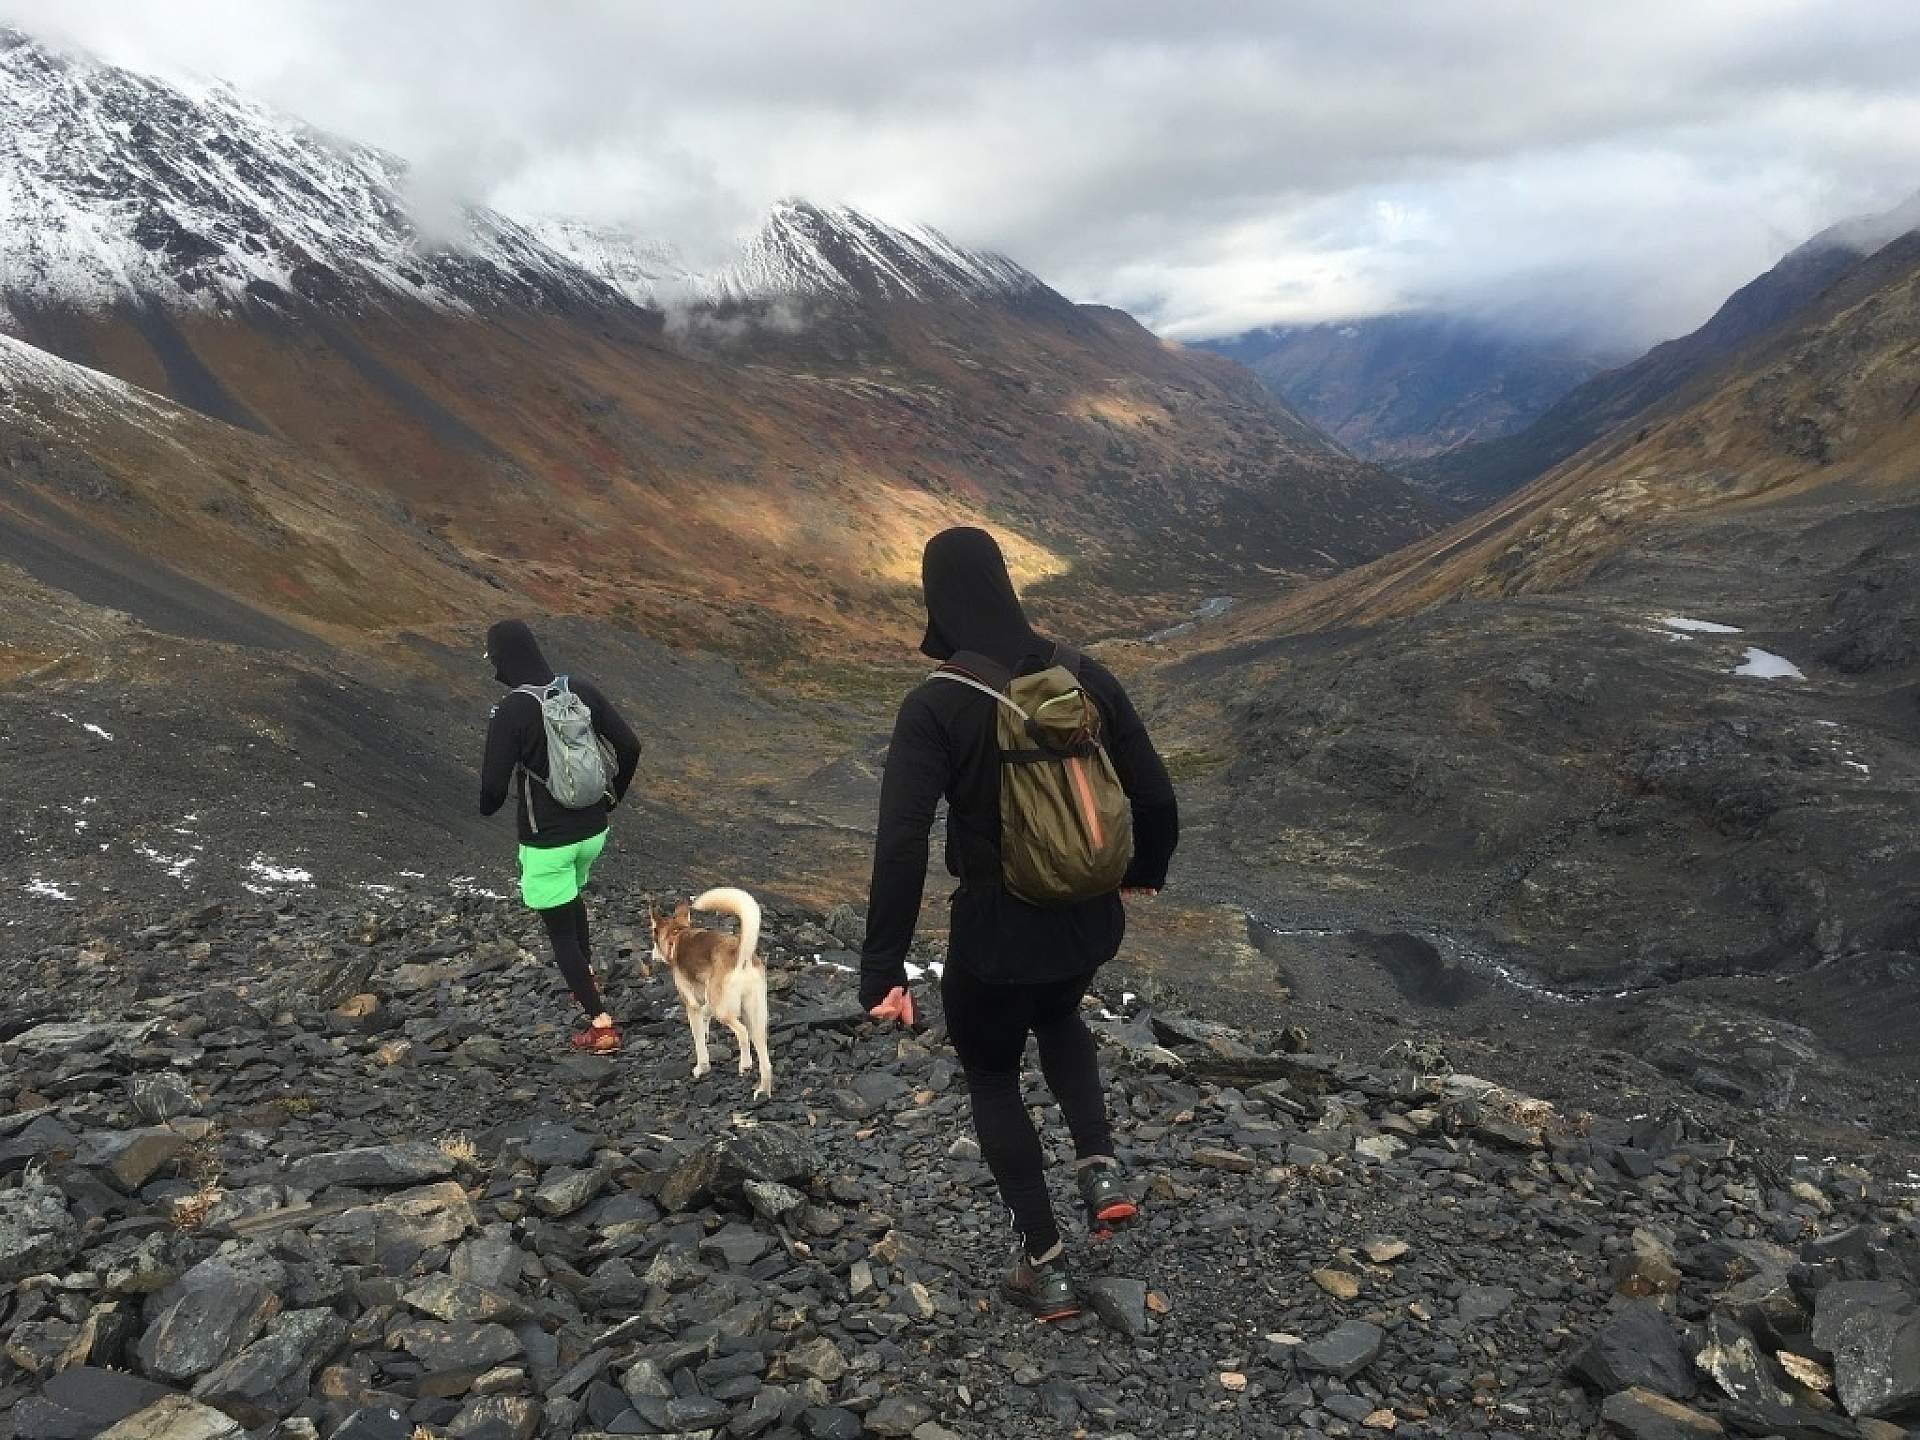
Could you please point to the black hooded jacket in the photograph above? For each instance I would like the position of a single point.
(945, 745)
(517, 740)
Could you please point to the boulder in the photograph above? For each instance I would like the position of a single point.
(211, 1313)
(1637, 1348)
(456, 1346)
(130, 1158)
(1872, 1330)
(80, 1402)
(496, 1417)
(175, 1418)
(36, 1232)
(271, 1377)
(721, 1170)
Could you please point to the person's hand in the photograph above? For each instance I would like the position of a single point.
(897, 1006)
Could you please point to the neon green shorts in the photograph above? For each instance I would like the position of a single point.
(551, 876)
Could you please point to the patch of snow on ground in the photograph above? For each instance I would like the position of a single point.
(1765, 665)
(934, 968)
(265, 871)
(93, 729)
(1697, 627)
(1856, 765)
(175, 865)
(46, 890)
(464, 885)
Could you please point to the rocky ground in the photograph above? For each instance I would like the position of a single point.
(314, 1165)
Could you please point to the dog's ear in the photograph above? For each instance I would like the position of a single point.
(682, 915)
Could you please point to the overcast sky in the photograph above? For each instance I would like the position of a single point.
(1612, 167)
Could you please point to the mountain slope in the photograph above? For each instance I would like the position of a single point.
(756, 475)
(1479, 474)
(1400, 387)
(1649, 720)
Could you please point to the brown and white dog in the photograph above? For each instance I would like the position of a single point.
(719, 976)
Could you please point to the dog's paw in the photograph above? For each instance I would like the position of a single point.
(763, 1092)
(701, 1070)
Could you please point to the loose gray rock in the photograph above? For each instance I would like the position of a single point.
(1644, 1415)
(1120, 1303)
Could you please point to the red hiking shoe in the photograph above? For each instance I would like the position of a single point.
(597, 1040)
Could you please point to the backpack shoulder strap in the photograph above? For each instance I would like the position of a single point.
(979, 672)
(983, 668)
(1068, 658)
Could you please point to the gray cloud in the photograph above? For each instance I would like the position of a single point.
(1612, 170)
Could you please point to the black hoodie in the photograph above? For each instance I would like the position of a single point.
(945, 745)
(517, 742)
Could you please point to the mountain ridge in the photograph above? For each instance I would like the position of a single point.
(1398, 388)
(1478, 474)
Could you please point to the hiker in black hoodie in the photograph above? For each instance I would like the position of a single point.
(1013, 969)
(557, 845)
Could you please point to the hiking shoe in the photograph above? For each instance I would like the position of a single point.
(1046, 1291)
(1107, 1200)
(597, 1040)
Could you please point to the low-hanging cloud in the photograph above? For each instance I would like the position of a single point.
(1607, 170)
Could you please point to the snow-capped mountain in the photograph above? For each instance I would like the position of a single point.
(816, 253)
(837, 252)
(647, 272)
(116, 185)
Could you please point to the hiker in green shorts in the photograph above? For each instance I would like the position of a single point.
(573, 758)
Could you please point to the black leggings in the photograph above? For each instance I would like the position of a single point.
(573, 951)
(989, 1025)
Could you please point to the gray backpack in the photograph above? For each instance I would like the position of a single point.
(579, 763)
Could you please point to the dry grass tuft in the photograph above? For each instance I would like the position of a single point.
(460, 1149)
(200, 1162)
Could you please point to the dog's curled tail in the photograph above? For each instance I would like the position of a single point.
(744, 908)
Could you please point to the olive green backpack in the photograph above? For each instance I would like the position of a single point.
(1066, 825)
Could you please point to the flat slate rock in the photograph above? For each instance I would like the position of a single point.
(1344, 1352)
(410, 1162)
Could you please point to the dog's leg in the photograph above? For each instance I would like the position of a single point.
(726, 1009)
(756, 1008)
(696, 1006)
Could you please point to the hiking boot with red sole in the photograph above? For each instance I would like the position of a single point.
(1109, 1205)
(597, 1040)
(1045, 1291)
